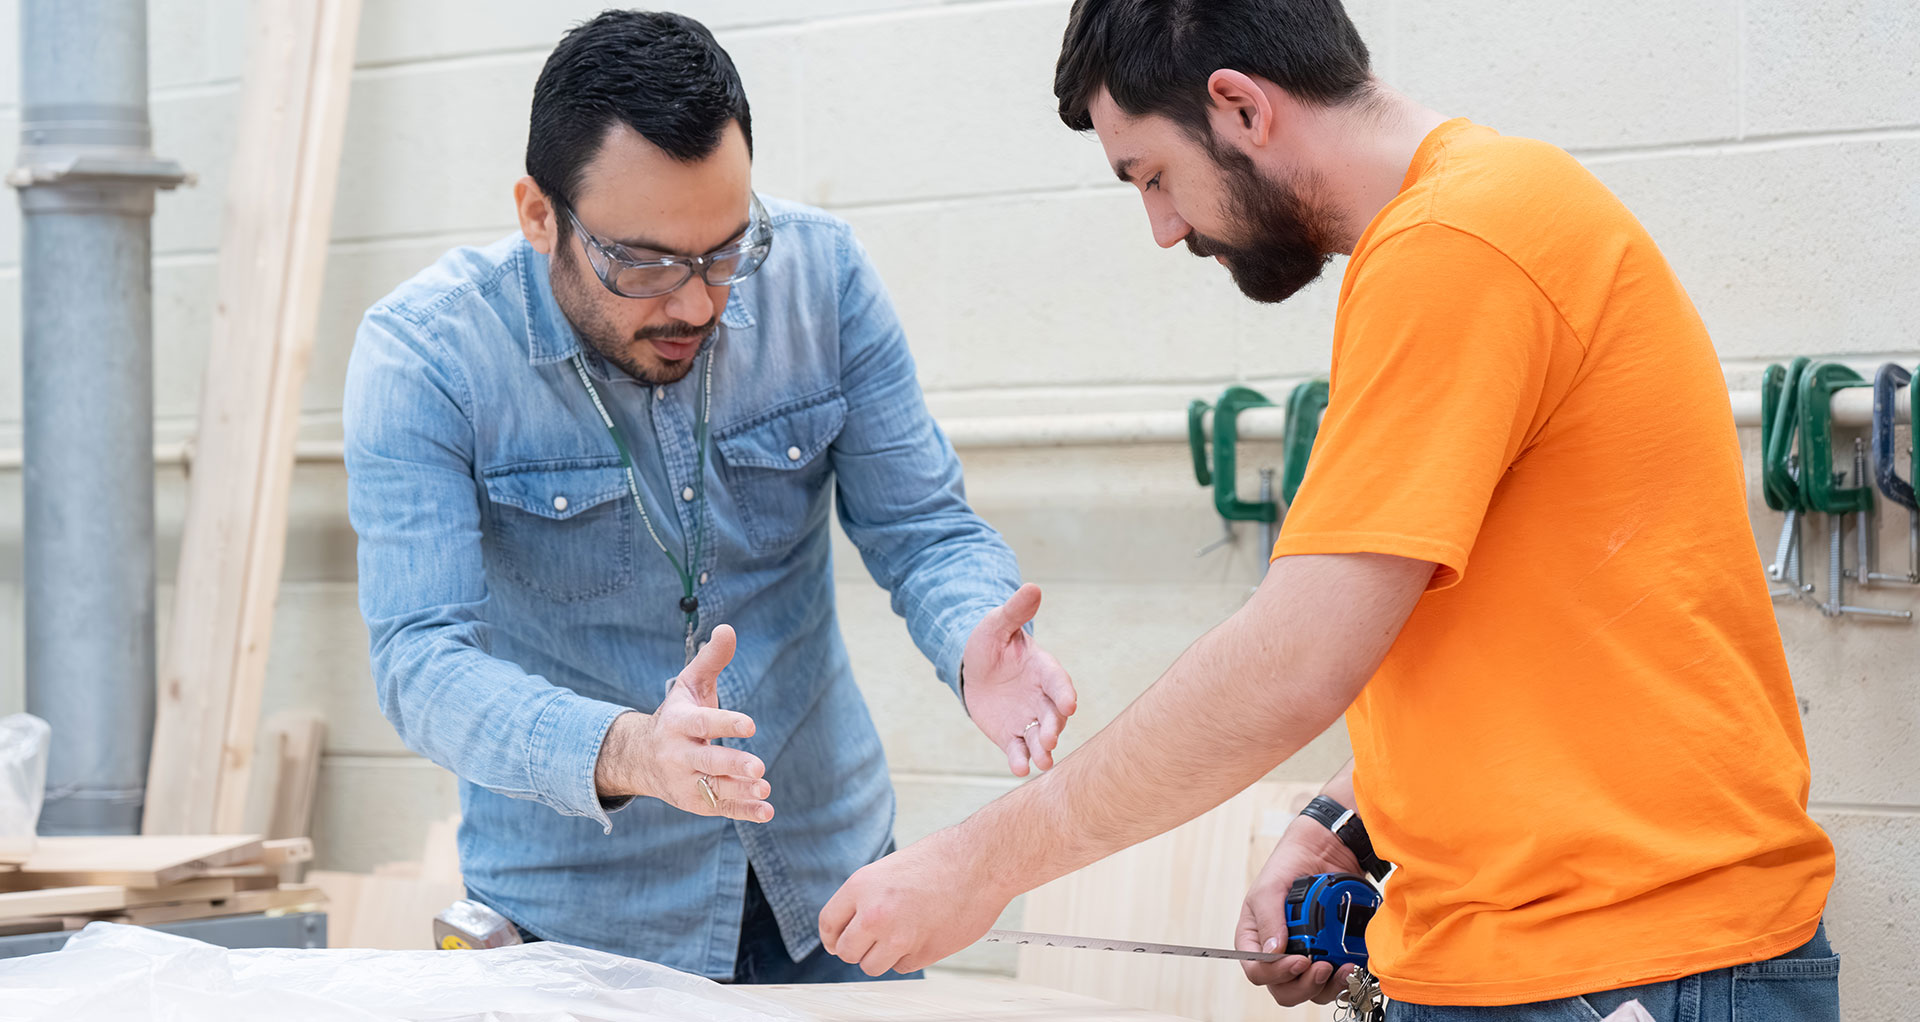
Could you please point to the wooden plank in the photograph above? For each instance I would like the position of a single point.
(285, 896)
(208, 889)
(273, 899)
(135, 860)
(272, 259)
(297, 740)
(58, 901)
(275, 853)
(947, 999)
(1183, 887)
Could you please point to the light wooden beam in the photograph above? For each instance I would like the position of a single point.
(279, 208)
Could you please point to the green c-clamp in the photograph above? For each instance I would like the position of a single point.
(1817, 386)
(1779, 418)
(1226, 436)
(1304, 407)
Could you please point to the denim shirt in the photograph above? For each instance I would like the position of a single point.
(517, 604)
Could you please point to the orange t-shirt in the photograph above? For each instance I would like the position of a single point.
(1583, 750)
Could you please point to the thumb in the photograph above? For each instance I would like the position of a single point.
(702, 676)
(1020, 608)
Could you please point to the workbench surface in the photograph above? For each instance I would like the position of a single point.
(947, 999)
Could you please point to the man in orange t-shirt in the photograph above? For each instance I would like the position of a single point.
(1520, 563)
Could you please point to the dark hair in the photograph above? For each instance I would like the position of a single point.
(1155, 56)
(661, 74)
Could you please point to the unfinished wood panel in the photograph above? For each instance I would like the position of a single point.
(1183, 887)
(272, 255)
(138, 861)
(947, 999)
(58, 901)
(297, 740)
(389, 912)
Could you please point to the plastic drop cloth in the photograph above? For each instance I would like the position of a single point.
(23, 781)
(114, 972)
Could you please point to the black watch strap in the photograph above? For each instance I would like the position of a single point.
(1346, 825)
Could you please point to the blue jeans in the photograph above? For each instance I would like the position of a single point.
(1802, 985)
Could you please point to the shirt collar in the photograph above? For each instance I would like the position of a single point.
(550, 337)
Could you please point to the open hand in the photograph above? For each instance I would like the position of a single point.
(1017, 694)
(669, 754)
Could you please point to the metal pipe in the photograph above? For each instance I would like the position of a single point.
(86, 176)
(1103, 429)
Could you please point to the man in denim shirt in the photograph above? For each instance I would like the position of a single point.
(570, 461)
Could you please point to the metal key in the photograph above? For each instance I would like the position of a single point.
(1360, 1001)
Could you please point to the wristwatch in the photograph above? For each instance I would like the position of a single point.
(1345, 825)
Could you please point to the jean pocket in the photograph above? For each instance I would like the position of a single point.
(775, 468)
(561, 528)
(1787, 990)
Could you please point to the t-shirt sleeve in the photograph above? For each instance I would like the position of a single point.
(1442, 353)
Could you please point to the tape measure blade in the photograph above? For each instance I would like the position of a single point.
(1061, 940)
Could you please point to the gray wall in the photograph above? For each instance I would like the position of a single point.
(1771, 146)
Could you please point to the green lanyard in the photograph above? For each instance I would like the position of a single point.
(689, 603)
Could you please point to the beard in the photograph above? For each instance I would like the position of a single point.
(575, 292)
(1287, 241)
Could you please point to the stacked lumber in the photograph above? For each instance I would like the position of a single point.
(69, 882)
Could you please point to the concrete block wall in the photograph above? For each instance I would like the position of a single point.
(1771, 146)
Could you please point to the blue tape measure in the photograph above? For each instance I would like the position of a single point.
(1327, 917)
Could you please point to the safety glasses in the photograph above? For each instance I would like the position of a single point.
(636, 273)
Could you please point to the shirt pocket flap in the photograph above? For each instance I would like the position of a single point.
(557, 489)
(789, 437)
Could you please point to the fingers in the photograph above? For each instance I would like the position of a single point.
(855, 945)
(707, 724)
(739, 789)
(1277, 975)
(1017, 756)
(702, 676)
(1059, 688)
(720, 761)
(1019, 609)
(747, 810)
(834, 918)
(1326, 977)
(1042, 740)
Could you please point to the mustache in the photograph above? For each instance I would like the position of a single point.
(1203, 246)
(675, 331)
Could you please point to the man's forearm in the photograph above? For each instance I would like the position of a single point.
(1246, 696)
(1339, 787)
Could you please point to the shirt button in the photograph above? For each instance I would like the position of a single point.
(686, 494)
(659, 392)
(703, 578)
(793, 454)
(559, 503)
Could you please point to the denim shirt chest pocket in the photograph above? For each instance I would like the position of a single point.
(775, 469)
(562, 528)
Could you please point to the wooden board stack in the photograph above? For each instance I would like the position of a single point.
(69, 882)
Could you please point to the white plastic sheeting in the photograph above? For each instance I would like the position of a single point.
(113, 972)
